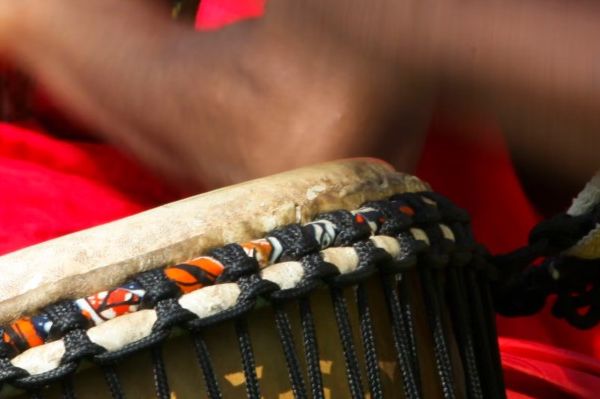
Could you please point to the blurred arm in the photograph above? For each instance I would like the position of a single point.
(533, 63)
(218, 107)
(336, 76)
(537, 66)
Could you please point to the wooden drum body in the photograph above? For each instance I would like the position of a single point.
(347, 280)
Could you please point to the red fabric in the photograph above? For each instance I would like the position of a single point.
(468, 161)
(542, 357)
(51, 186)
(216, 14)
(540, 370)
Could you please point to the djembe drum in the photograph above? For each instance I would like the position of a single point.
(340, 280)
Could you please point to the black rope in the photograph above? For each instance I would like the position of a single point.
(576, 283)
(289, 349)
(112, 380)
(203, 356)
(464, 332)
(481, 328)
(402, 343)
(476, 333)
(405, 293)
(161, 382)
(440, 346)
(343, 323)
(368, 341)
(249, 365)
(483, 285)
(68, 391)
(311, 349)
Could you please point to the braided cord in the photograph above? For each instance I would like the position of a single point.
(492, 336)
(488, 311)
(112, 380)
(440, 346)
(405, 293)
(311, 348)
(203, 356)
(289, 349)
(491, 386)
(481, 287)
(400, 332)
(465, 288)
(368, 341)
(343, 323)
(464, 331)
(161, 382)
(247, 354)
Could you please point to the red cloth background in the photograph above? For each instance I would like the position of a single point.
(542, 357)
(50, 186)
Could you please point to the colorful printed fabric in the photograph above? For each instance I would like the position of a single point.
(195, 273)
(188, 276)
(107, 305)
(465, 159)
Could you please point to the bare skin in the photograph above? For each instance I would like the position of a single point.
(314, 81)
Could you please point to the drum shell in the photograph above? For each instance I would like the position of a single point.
(185, 376)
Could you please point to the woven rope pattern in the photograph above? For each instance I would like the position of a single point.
(337, 250)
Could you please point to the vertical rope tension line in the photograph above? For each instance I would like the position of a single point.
(464, 331)
(203, 356)
(368, 341)
(289, 349)
(112, 380)
(311, 349)
(404, 295)
(340, 308)
(490, 322)
(401, 342)
(161, 382)
(440, 346)
(486, 358)
(248, 362)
